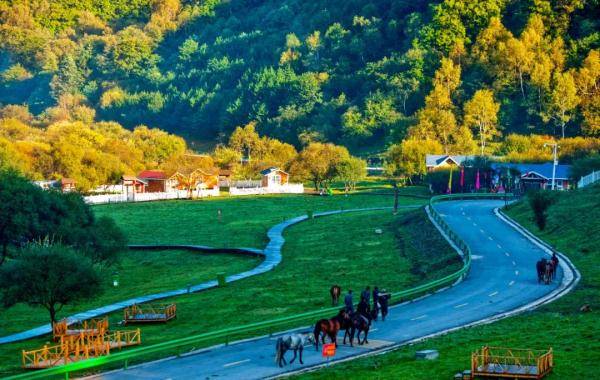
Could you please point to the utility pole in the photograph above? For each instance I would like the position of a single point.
(554, 150)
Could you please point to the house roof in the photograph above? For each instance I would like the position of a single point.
(67, 181)
(543, 170)
(225, 172)
(271, 170)
(152, 174)
(133, 178)
(434, 160)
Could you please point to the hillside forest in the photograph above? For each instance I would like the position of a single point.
(93, 89)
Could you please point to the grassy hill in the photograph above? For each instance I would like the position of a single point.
(573, 227)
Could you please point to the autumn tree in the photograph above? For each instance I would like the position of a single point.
(351, 171)
(587, 79)
(564, 99)
(191, 170)
(481, 114)
(320, 163)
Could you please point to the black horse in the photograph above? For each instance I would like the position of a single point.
(360, 323)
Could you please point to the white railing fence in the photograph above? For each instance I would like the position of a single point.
(146, 197)
(589, 179)
(290, 188)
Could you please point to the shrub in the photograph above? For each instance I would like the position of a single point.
(540, 201)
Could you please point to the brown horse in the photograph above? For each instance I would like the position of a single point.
(360, 323)
(329, 327)
(335, 292)
(548, 272)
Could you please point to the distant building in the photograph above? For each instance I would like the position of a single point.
(273, 177)
(64, 184)
(538, 176)
(133, 185)
(444, 161)
(156, 180)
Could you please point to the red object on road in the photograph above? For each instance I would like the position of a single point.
(328, 350)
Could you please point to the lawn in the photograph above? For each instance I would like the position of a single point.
(319, 252)
(573, 227)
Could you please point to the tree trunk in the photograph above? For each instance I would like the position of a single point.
(52, 311)
(396, 194)
(521, 82)
(4, 253)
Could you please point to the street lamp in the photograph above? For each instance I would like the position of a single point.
(554, 149)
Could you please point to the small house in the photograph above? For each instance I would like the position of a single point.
(133, 185)
(67, 185)
(273, 177)
(444, 161)
(156, 180)
(539, 176)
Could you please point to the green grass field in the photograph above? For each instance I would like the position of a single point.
(573, 227)
(300, 283)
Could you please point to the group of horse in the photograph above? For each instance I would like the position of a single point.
(546, 269)
(352, 324)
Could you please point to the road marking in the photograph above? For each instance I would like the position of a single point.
(474, 224)
(514, 263)
(492, 294)
(468, 218)
(499, 246)
(236, 363)
(491, 238)
(511, 283)
(517, 272)
(482, 231)
(461, 305)
(464, 213)
(476, 257)
(371, 330)
(421, 317)
(507, 254)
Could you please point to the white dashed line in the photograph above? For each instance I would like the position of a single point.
(236, 363)
(371, 330)
(474, 224)
(516, 272)
(491, 238)
(461, 305)
(492, 294)
(482, 231)
(468, 218)
(420, 317)
(499, 246)
(511, 283)
(507, 254)
(514, 263)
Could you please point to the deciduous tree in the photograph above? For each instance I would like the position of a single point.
(481, 114)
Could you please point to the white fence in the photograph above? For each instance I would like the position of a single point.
(588, 179)
(146, 197)
(291, 188)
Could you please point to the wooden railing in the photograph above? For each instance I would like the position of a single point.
(149, 313)
(68, 351)
(120, 339)
(91, 327)
(511, 362)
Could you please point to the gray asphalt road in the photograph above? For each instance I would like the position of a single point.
(502, 278)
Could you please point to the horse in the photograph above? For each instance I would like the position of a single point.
(549, 268)
(295, 342)
(329, 327)
(335, 292)
(360, 323)
(540, 267)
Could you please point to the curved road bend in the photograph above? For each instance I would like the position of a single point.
(502, 278)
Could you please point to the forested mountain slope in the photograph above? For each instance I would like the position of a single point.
(355, 72)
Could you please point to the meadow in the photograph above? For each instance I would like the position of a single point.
(333, 249)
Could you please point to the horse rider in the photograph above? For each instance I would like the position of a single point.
(384, 297)
(348, 302)
(366, 294)
(540, 266)
(375, 302)
(554, 260)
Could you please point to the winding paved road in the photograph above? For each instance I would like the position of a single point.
(502, 281)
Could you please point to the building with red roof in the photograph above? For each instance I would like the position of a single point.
(156, 180)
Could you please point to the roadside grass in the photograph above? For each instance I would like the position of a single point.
(334, 249)
(573, 227)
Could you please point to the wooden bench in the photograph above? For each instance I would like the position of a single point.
(507, 363)
(149, 313)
